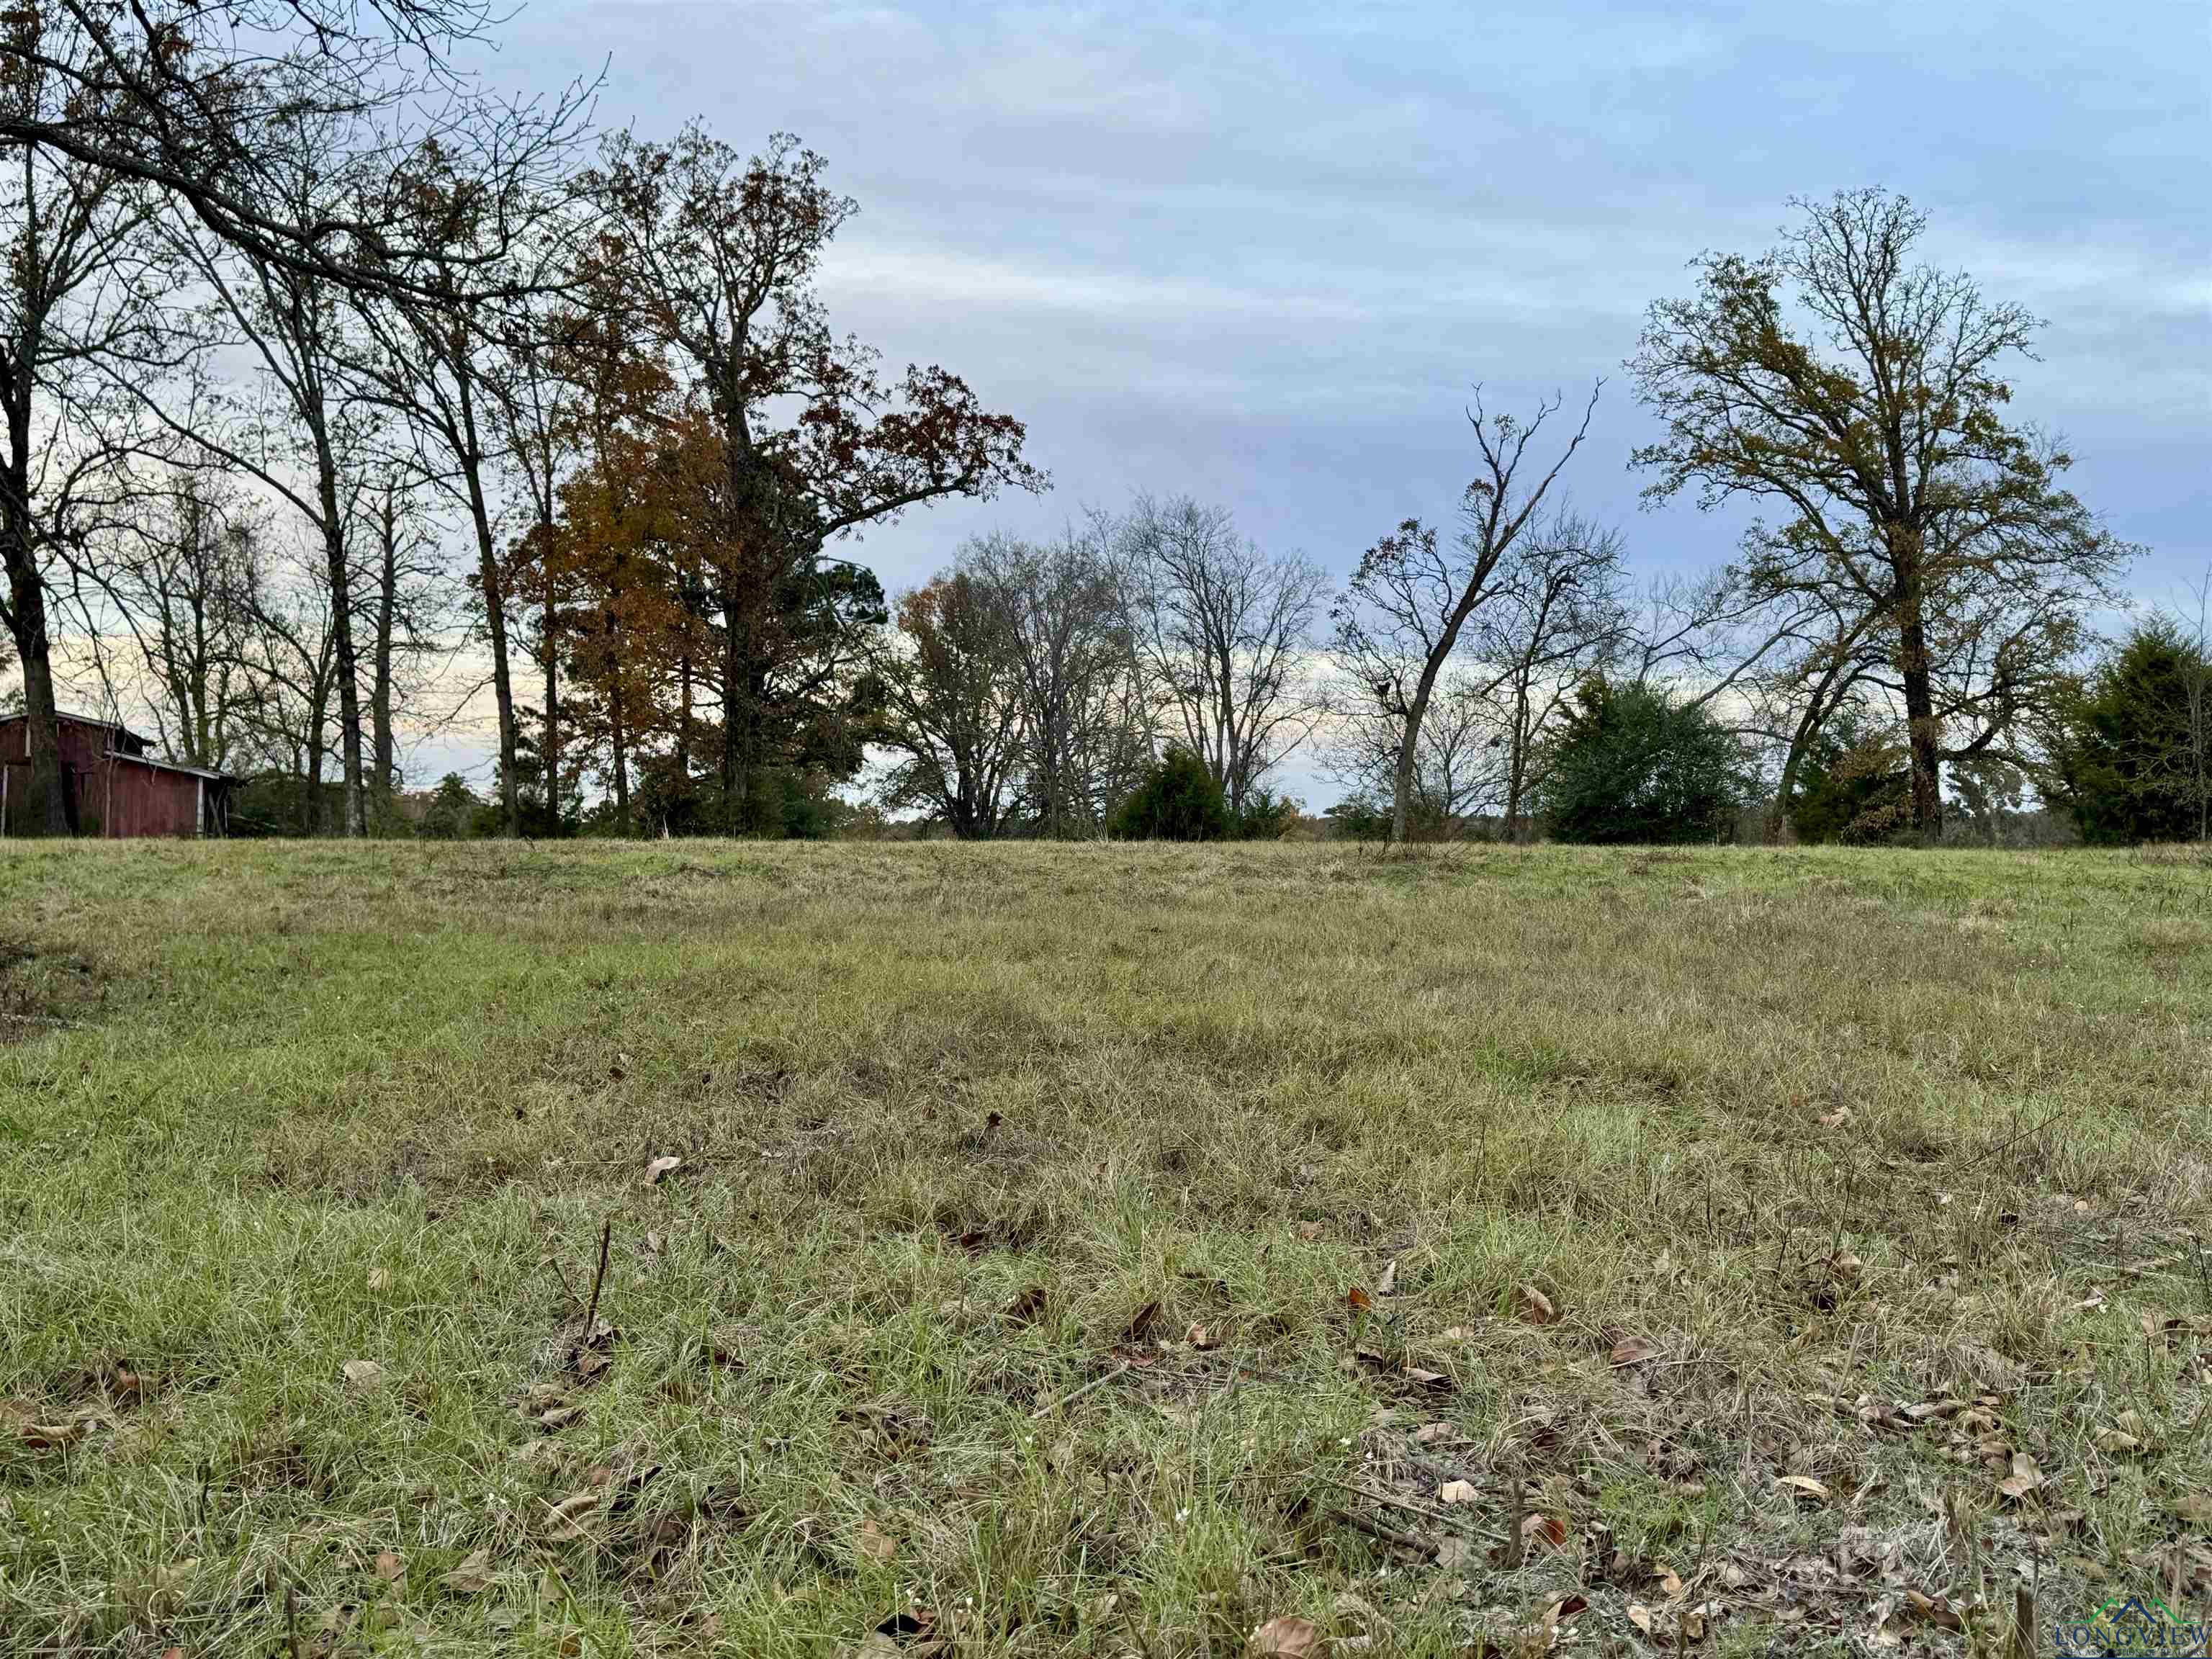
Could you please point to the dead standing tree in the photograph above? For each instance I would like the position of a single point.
(1407, 610)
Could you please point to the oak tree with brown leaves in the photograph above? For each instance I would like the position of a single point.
(1862, 394)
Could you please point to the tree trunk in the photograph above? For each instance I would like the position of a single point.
(494, 603)
(552, 642)
(387, 605)
(51, 798)
(349, 659)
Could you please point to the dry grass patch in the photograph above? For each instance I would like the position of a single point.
(1101, 1249)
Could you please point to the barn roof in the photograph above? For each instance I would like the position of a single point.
(142, 741)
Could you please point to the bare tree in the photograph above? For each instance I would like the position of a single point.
(1221, 633)
(1554, 616)
(176, 588)
(403, 585)
(951, 670)
(1087, 732)
(182, 99)
(1403, 618)
(1460, 770)
(308, 441)
(83, 297)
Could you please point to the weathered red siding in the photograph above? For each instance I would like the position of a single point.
(117, 794)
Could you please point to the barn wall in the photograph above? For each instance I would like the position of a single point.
(132, 799)
(116, 795)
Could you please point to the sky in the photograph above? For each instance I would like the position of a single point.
(1260, 252)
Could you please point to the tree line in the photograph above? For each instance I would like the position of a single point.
(330, 377)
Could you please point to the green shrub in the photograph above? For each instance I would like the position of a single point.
(1178, 800)
(1630, 767)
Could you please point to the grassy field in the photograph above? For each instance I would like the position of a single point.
(1097, 1249)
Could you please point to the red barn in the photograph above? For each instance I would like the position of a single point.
(119, 789)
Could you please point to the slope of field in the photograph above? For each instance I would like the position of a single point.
(1097, 1250)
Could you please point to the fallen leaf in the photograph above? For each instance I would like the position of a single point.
(1285, 1639)
(1422, 1378)
(1935, 1609)
(1458, 1492)
(1544, 1529)
(379, 1278)
(1201, 1339)
(363, 1373)
(1358, 1300)
(1535, 1307)
(1836, 1119)
(1846, 1266)
(1671, 1581)
(2024, 1479)
(1456, 1333)
(1387, 1281)
(662, 1166)
(1806, 1484)
(569, 1512)
(557, 1418)
(473, 1575)
(1560, 1612)
(1429, 1433)
(1633, 1350)
(1309, 1231)
(1140, 1322)
(389, 1567)
(1640, 1616)
(874, 1545)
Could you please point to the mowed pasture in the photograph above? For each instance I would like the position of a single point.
(1109, 1249)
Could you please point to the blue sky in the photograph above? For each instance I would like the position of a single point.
(1259, 252)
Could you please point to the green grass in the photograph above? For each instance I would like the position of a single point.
(1004, 1282)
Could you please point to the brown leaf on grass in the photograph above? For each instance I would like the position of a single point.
(1358, 1300)
(590, 1362)
(556, 1418)
(1535, 1307)
(1309, 1231)
(379, 1278)
(1458, 1492)
(473, 1575)
(1804, 1486)
(569, 1514)
(1203, 1339)
(875, 1544)
(660, 1167)
(1285, 1639)
(1845, 1266)
(1429, 1433)
(363, 1373)
(2024, 1479)
(1640, 1616)
(1633, 1350)
(1671, 1583)
(1560, 1612)
(389, 1567)
(1386, 1282)
(1421, 1378)
(1140, 1322)
(1456, 1333)
(1837, 1119)
(1935, 1610)
(1546, 1529)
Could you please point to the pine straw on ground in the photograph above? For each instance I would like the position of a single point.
(1097, 1249)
